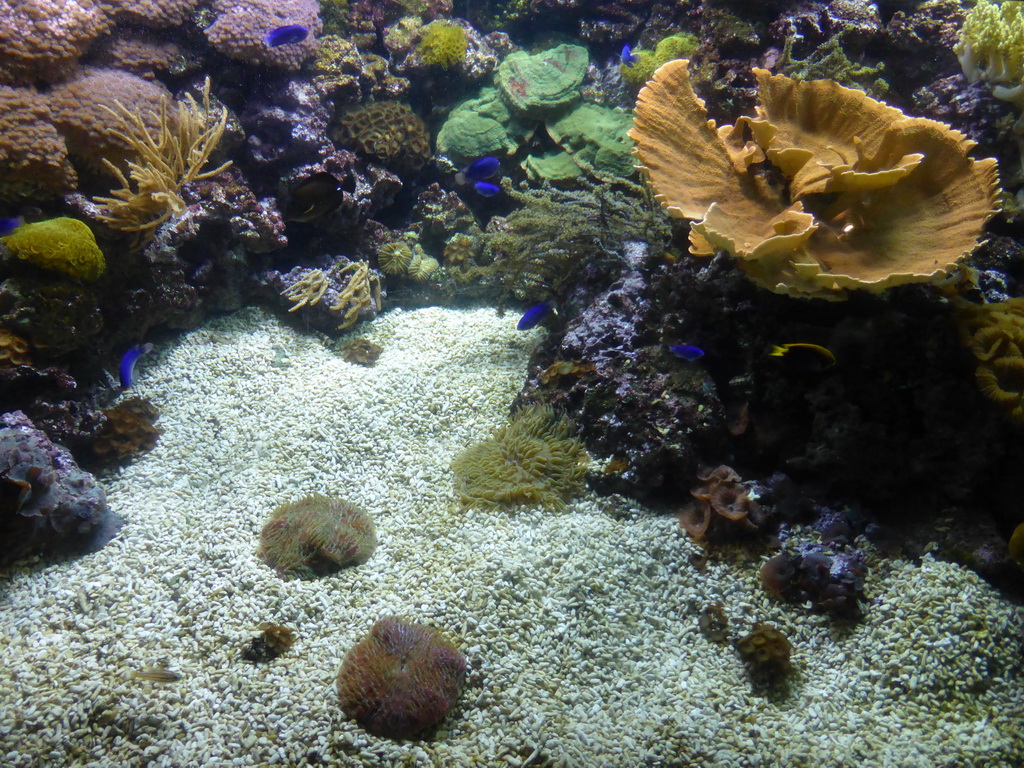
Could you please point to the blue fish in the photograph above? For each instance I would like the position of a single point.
(627, 57)
(129, 360)
(533, 316)
(8, 225)
(486, 189)
(482, 168)
(687, 351)
(286, 35)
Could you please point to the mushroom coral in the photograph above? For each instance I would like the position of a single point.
(875, 199)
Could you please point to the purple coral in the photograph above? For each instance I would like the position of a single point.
(400, 679)
(46, 502)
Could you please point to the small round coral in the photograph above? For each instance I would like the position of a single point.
(386, 131)
(765, 651)
(443, 45)
(400, 679)
(316, 535)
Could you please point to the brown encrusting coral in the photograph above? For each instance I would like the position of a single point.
(875, 199)
(128, 430)
(722, 507)
(535, 459)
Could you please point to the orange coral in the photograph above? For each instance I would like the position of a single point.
(129, 430)
(875, 199)
(722, 506)
(32, 153)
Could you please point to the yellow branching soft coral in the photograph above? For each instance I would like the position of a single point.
(62, 245)
(875, 198)
(163, 163)
(361, 291)
(995, 335)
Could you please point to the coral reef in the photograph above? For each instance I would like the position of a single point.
(532, 460)
(42, 40)
(481, 126)
(316, 535)
(331, 298)
(83, 111)
(878, 199)
(62, 245)
(389, 132)
(400, 679)
(995, 335)
(47, 504)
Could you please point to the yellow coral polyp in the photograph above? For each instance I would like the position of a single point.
(61, 245)
(443, 45)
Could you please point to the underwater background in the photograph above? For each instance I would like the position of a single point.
(538, 383)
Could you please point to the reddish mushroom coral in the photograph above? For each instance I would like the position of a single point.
(722, 507)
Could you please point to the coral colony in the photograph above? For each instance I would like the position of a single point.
(755, 273)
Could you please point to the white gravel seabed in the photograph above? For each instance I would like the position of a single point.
(580, 627)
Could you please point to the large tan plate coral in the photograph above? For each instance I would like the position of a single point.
(874, 198)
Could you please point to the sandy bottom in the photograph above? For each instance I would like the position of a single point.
(580, 627)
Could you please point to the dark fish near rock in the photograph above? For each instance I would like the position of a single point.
(312, 197)
(286, 35)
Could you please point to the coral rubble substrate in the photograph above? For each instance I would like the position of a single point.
(580, 626)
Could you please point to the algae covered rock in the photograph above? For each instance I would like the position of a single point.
(542, 85)
(47, 504)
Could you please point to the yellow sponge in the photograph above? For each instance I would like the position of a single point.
(62, 244)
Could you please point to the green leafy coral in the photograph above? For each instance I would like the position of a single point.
(535, 459)
(443, 45)
(680, 46)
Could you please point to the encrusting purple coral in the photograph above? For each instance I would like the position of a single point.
(47, 504)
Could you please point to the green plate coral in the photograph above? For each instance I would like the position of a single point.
(535, 459)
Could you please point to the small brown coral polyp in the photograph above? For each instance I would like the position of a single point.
(316, 535)
(765, 651)
(722, 507)
(400, 679)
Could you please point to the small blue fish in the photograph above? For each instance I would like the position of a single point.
(286, 35)
(533, 316)
(687, 351)
(129, 360)
(482, 168)
(486, 189)
(9, 225)
(627, 57)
